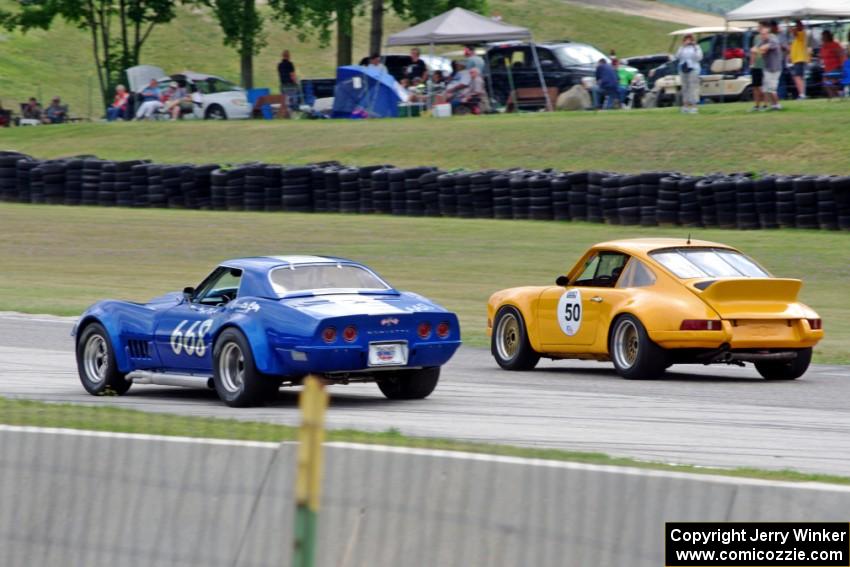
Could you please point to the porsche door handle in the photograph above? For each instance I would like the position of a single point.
(596, 299)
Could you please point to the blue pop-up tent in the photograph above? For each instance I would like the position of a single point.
(366, 93)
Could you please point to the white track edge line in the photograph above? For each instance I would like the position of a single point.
(436, 453)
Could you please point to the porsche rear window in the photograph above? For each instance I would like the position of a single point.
(325, 277)
(689, 263)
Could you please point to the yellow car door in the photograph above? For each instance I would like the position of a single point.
(570, 316)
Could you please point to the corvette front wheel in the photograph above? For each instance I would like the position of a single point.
(634, 354)
(509, 343)
(237, 381)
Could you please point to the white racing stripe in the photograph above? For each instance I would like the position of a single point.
(433, 453)
(343, 306)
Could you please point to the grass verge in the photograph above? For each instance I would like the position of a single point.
(71, 416)
(59, 259)
(808, 137)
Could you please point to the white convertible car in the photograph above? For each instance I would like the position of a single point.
(215, 98)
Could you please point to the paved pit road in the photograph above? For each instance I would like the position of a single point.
(721, 416)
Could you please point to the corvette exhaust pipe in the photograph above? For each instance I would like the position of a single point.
(164, 379)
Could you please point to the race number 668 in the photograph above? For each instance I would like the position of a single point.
(192, 340)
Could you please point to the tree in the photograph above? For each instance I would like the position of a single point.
(242, 25)
(118, 29)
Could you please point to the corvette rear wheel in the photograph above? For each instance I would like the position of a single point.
(786, 370)
(96, 364)
(410, 384)
(509, 343)
(634, 354)
(236, 378)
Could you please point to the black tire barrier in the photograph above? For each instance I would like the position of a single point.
(732, 201)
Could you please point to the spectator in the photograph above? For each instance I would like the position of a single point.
(375, 64)
(799, 58)
(832, 57)
(31, 110)
(417, 70)
(150, 101)
(624, 76)
(438, 81)
(118, 108)
(771, 53)
(474, 92)
(757, 75)
(637, 90)
(689, 57)
(607, 89)
(5, 117)
(473, 60)
(288, 80)
(55, 113)
(179, 102)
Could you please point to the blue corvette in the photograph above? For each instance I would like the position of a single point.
(256, 323)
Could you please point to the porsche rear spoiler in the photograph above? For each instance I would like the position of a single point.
(752, 298)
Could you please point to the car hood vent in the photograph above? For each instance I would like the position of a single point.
(704, 284)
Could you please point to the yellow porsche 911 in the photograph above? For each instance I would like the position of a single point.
(647, 303)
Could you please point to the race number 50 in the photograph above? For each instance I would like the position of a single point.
(569, 312)
(192, 340)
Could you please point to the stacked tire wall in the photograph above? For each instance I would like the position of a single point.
(739, 201)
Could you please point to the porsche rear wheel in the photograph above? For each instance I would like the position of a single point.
(782, 370)
(410, 384)
(96, 364)
(237, 381)
(509, 343)
(634, 354)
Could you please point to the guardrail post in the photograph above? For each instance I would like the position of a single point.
(308, 482)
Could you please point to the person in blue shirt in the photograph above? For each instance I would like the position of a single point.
(607, 87)
(151, 100)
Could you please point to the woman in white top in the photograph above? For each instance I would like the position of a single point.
(689, 57)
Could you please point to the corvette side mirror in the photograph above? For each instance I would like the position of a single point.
(562, 281)
(188, 292)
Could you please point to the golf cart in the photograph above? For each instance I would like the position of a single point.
(725, 71)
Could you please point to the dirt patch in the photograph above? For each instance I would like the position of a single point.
(653, 10)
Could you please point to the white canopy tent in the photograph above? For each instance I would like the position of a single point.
(759, 10)
(459, 26)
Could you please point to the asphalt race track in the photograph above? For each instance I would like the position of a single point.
(720, 416)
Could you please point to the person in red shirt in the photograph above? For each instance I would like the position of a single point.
(832, 57)
(118, 108)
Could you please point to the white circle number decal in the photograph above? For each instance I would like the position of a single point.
(569, 312)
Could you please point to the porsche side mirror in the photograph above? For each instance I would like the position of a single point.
(188, 292)
(562, 281)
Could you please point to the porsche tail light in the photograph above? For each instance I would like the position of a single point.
(443, 330)
(701, 325)
(329, 334)
(815, 324)
(349, 334)
(424, 330)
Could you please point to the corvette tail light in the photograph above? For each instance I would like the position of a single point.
(349, 334)
(424, 330)
(701, 325)
(329, 334)
(443, 330)
(815, 324)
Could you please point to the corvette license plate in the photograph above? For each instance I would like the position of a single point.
(388, 354)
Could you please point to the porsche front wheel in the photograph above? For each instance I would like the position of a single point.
(634, 354)
(410, 384)
(96, 364)
(236, 378)
(509, 343)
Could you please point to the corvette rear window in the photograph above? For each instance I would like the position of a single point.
(688, 263)
(325, 277)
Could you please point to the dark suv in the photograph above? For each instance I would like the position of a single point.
(564, 64)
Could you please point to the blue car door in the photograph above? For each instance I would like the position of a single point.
(183, 338)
